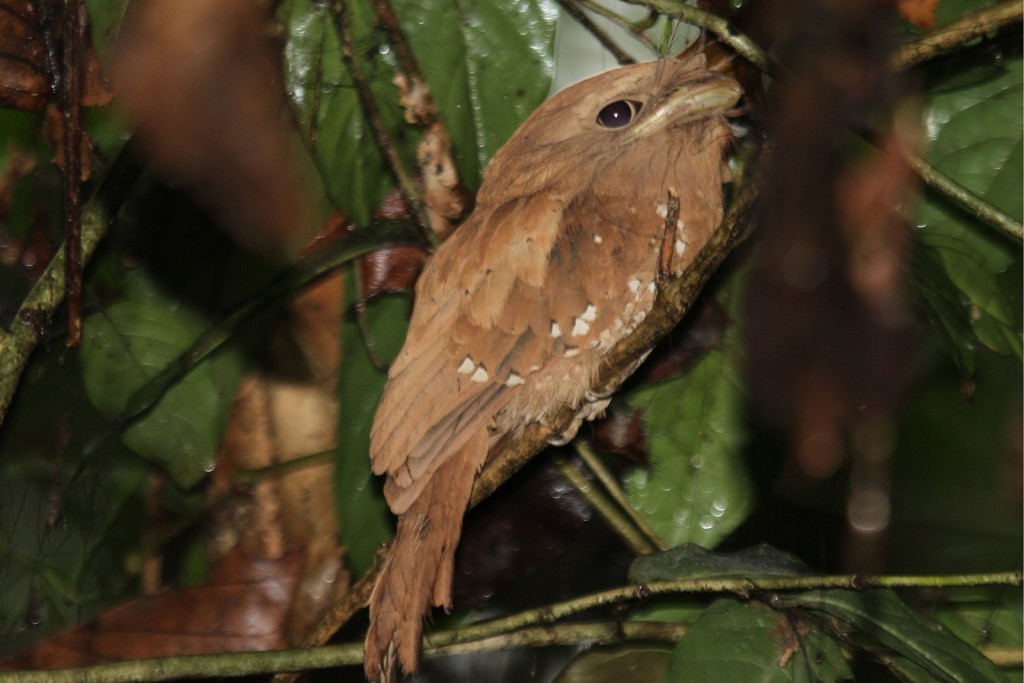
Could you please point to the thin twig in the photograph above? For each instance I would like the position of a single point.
(525, 629)
(611, 484)
(71, 119)
(957, 34)
(963, 30)
(636, 28)
(33, 317)
(294, 278)
(577, 13)
(612, 514)
(550, 614)
(960, 195)
(350, 56)
(404, 56)
(719, 27)
(347, 654)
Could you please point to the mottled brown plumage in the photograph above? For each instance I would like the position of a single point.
(513, 313)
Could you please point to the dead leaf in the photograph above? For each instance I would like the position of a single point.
(919, 12)
(242, 607)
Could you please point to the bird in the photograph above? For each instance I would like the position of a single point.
(606, 186)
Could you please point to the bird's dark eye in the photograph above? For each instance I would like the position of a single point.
(618, 114)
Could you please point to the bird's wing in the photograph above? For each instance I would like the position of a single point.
(453, 374)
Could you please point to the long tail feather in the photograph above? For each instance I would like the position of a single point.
(420, 566)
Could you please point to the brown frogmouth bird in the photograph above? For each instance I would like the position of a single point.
(607, 185)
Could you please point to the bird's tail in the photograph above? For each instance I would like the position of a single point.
(419, 569)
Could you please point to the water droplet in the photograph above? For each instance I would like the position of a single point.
(707, 523)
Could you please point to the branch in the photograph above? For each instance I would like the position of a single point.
(36, 311)
(532, 628)
(606, 509)
(550, 614)
(965, 199)
(236, 664)
(721, 28)
(957, 34)
(611, 484)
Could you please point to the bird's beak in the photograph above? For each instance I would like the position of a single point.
(712, 94)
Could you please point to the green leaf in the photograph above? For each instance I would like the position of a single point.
(881, 615)
(693, 562)
(328, 109)
(133, 340)
(625, 664)
(364, 517)
(740, 642)
(489, 65)
(970, 275)
(984, 616)
(67, 524)
(696, 489)
(950, 10)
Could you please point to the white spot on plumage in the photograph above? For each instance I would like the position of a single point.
(634, 286)
(514, 380)
(662, 209)
(571, 351)
(580, 327)
(467, 366)
(589, 314)
(556, 331)
(480, 374)
(598, 239)
(651, 287)
(680, 247)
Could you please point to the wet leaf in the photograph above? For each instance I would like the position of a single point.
(129, 343)
(696, 488)
(626, 664)
(736, 642)
(489, 66)
(243, 606)
(67, 532)
(881, 615)
(362, 512)
(969, 274)
(694, 562)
